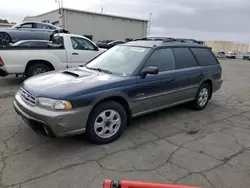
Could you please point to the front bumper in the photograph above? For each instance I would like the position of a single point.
(58, 123)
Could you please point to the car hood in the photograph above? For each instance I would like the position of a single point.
(71, 82)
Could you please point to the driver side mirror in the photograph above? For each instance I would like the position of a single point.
(18, 27)
(149, 70)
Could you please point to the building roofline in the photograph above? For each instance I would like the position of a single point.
(40, 14)
(89, 12)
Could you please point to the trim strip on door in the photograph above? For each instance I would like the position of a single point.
(163, 93)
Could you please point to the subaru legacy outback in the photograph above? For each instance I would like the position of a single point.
(129, 80)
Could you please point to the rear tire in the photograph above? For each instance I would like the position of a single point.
(202, 97)
(36, 69)
(106, 122)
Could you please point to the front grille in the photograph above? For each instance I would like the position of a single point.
(27, 97)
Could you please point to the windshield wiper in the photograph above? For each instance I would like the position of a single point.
(100, 70)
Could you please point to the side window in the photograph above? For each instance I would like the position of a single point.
(184, 58)
(204, 56)
(58, 41)
(81, 44)
(163, 59)
(27, 25)
(42, 26)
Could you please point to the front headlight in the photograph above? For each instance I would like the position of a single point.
(54, 104)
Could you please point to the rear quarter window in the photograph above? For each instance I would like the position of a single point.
(204, 56)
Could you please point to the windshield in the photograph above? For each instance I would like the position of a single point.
(121, 60)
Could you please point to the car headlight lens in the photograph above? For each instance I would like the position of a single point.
(54, 104)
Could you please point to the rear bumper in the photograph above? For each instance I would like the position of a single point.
(217, 85)
(3, 72)
(58, 123)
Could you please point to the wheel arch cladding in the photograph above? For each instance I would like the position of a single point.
(122, 101)
(33, 62)
(210, 83)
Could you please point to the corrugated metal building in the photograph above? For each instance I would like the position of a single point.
(96, 26)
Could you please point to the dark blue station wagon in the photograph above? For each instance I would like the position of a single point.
(127, 81)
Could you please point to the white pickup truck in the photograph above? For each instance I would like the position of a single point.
(66, 51)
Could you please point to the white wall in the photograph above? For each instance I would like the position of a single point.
(101, 27)
(104, 27)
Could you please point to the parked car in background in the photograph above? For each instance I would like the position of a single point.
(29, 31)
(246, 56)
(32, 43)
(65, 51)
(126, 81)
(221, 54)
(231, 55)
(109, 44)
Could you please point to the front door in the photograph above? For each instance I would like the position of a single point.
(82, 51)
(156, 91)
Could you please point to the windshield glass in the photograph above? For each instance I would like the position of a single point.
(121, 60)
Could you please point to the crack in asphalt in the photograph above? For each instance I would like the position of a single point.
(5, 142)
(50, 173)
(211, 184)
(4, 112)
(134, 170)
(224, 161)
(27, 150)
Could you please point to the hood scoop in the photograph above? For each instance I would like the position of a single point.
(77, 73)
(71, 74)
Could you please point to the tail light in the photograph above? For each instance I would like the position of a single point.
(1, 62)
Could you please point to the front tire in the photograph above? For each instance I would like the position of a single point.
(37, 68)
(106, 122)
(202, 97)
(5, 38)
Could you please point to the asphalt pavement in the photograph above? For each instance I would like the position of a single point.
(208, 148)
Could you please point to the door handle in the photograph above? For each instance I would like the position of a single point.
(75, 53)
(173, 80)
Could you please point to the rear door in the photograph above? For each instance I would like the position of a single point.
(44, 31)
(188, 74)
(210, 66)
(82, 51)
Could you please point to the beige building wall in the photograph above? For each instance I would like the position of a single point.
(228, 46)
(6, 25)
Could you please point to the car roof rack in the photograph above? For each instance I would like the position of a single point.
(163, 39)
(189, 40)
(167, 39)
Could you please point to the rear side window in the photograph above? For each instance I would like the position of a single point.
(204, 56)
(184, 58)
(163, 59)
